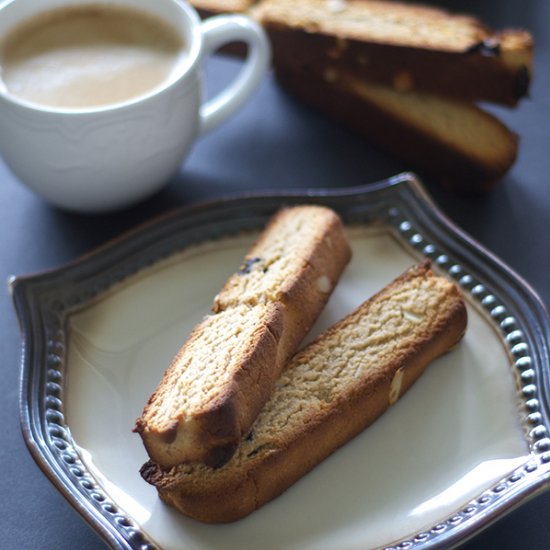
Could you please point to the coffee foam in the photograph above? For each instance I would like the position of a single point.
(89, 56)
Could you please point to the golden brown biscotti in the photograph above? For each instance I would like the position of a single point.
(404, 46)
(329, 392)
(216, 385)
(464, 147)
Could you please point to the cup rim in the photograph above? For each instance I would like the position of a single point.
(193, 51)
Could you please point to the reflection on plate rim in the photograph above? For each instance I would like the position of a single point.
(44, 301)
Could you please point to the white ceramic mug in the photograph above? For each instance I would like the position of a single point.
(99, 159)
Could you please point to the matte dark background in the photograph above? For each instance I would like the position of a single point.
(274, 143)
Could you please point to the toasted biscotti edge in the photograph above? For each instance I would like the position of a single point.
(211, 434)
(231, 493)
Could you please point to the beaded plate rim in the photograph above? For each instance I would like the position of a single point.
(43, 301)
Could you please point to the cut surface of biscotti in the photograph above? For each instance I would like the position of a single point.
(328, 393)
(216, 385)
(405, 46)
(466, 148)
(289, 259)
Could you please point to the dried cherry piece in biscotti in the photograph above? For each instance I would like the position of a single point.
(247, 265)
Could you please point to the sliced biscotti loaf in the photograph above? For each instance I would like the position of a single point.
(329, 392)
(402, 45)
(464, 147)
(216, 385)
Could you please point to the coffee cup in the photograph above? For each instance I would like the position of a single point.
(93, 154)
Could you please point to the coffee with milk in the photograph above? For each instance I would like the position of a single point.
(89, 56)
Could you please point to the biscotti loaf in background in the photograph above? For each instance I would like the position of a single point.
(329, 392)
(403, 45)
(406, 76)
(407, 46)
(216, 385)
(464, 147)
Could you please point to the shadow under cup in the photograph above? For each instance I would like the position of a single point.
(109, 156)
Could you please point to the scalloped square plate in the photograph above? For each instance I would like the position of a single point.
(464, 445)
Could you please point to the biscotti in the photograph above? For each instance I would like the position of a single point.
(329, 392)
(406, 76)
(216, 385)
(406, 46)
(464, 147)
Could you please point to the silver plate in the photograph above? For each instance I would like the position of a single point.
(468, 443)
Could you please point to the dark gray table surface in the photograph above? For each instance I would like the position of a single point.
(274, 143)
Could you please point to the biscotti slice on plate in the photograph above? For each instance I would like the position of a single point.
(216, 385)
(464, 147)
(328, 393)
(402, 45)
(295, 262)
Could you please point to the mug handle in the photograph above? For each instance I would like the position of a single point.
(218, 31)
